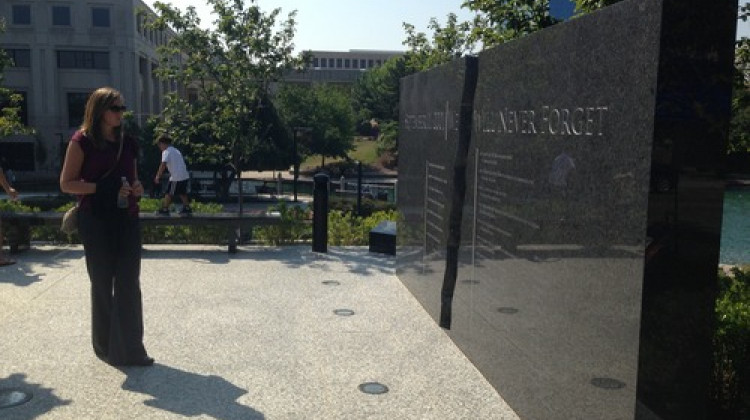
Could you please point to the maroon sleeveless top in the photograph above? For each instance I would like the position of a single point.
(96, 163)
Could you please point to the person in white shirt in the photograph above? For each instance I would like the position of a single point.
(172, 161)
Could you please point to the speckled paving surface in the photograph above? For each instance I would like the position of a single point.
(251, 335)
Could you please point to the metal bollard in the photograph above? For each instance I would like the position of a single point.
(320, 213)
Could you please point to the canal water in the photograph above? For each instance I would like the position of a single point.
(735, 228)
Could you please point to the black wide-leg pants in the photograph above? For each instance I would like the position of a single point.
(112, 245)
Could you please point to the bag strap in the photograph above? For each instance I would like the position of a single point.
(114, 165)
(117, 159)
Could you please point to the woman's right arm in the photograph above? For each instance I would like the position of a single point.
(70, 177)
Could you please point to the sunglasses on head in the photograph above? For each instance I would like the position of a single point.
(118, 108)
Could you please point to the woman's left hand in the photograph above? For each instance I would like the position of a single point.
(137, 189)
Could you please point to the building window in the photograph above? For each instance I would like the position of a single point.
(20, 57)
(370, 63)
(323, 63)
(23, 111)
(355, 63)
(339, 63)
(347, 63)
(76, 108)
(21, 14)
(315, 62)
(83, 60)
(100, 17)
(331, 63)
(363, 63)
(60, 16)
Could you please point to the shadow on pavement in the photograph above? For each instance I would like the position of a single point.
(26, 271)
(42, 399)
(188, 394)
(19, 275)
(356, 259)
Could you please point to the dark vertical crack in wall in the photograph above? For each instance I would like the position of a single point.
(459, 190)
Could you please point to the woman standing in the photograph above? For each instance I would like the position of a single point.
(99, 156)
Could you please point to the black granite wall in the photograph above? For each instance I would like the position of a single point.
(591, 215)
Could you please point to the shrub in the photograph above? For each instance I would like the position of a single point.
(294, 226)
(206, 234)
(12, 233)
(369, 206)
(53, 233)
(15, 206)
(344, 228)
(731, 375)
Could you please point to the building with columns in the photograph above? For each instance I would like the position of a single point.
(62, 51)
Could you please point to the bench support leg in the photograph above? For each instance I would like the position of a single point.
(232, 235)
(19, 238)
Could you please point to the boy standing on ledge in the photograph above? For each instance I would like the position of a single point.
(171, 160)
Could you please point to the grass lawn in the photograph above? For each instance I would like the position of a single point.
(365, 151)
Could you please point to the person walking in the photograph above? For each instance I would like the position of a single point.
(172, 161)
(100, 168)
(13, 194)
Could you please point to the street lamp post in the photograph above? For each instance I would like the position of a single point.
(359, 188)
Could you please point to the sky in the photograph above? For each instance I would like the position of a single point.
(341, 25)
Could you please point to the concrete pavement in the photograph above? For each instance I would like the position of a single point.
(252, 335)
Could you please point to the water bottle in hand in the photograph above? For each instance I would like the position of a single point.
(122, 200)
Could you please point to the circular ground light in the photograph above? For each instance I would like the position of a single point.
(331, 283)
(607, 383)
(343, 312)
(507, 310)
(373, 388)
(12, 397)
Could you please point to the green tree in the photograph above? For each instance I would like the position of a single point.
(499, 21)
(10, 102)
(739, 131)
(388, 143)
(587, 6)
(232, 121)
(447, 43)
(326, 110)
(376, 93)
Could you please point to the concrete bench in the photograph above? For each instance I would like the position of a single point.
(231, 221)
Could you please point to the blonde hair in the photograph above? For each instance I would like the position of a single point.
(98, 103)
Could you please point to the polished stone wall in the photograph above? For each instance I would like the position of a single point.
(430, 114)
(590, 208)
